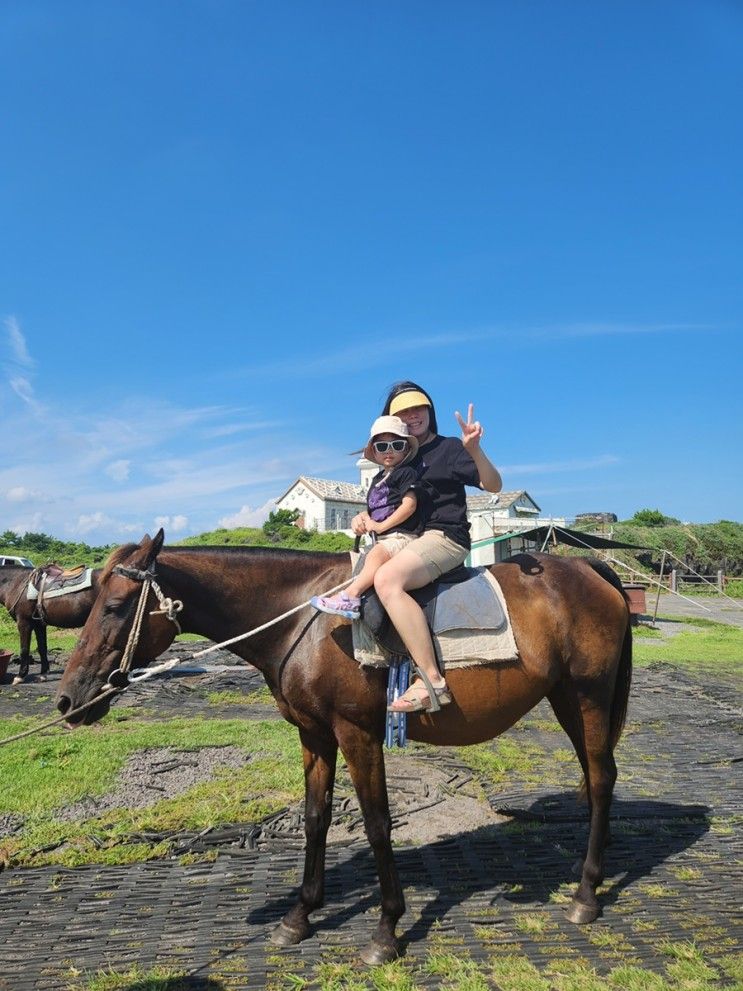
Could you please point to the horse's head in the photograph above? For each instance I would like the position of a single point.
(107, 639)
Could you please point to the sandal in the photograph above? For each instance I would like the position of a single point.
(416, 698)
(338, 605)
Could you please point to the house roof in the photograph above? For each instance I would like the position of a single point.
(328, 488)
(497, 500)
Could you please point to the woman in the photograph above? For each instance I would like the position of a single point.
(446, 465)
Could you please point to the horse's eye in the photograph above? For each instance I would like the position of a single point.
(117, 607)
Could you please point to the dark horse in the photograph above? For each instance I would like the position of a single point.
(68, 611)
(571, 623)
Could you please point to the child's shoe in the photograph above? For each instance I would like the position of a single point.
(338, 605)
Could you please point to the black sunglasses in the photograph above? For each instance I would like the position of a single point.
(382, 446)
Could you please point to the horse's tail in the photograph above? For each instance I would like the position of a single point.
(624, 670)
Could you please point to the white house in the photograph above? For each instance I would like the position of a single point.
(324, 504)
(493, 515)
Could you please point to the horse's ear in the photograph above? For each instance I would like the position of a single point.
(157, 544)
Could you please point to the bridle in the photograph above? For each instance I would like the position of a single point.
(168, 607)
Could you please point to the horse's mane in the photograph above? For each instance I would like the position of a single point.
(259, 552)
(116, 557)
(120, 554)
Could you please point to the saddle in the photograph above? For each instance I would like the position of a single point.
(53, 580)
(462, 599)
(55, 571)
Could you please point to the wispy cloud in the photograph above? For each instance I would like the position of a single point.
(18, 366)
(118, 470)
(376, 351)
(551, 467)
(369, 352)
(17, 342)
(601, 329)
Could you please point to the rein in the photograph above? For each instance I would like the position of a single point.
(170, 608)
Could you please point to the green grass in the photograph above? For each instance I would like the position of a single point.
(62, 768)
(452, 969)
(715, 648)
(137, 979)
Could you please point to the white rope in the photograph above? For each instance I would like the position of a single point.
(139, 675)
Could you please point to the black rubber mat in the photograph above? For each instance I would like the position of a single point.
(673, 870)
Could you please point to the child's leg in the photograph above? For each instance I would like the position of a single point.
(373, 561)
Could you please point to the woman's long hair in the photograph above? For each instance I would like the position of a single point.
(399, 387)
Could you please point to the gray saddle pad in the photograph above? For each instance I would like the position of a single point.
(470, 604)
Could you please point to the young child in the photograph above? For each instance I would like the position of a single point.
(393, 510)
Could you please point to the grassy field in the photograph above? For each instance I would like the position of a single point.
(703, 645)
(686, 969)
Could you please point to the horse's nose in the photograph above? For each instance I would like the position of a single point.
(64, 704)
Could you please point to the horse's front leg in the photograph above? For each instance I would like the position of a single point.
(363, 753)
(41, 646)
(24, 635)
(319, 777)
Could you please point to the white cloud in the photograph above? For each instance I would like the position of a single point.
(118, 470)
(19, 493)
(34, 523)
(247, 516)
(175, 523)
(87, 522)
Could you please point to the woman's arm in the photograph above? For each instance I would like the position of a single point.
(490, 479)
(403, 512)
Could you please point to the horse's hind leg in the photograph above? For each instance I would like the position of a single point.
(600, 779)
(319, 778)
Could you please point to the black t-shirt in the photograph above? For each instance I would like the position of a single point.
(445, 468)
(384, 497)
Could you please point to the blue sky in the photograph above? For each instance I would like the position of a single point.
(227, 227)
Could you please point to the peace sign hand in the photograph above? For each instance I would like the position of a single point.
(471, 431)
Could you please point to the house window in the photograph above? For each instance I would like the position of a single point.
(332, 524)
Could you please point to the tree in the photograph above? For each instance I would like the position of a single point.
(652, 517)
(278, 520)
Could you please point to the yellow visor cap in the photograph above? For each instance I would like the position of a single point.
(406, 400)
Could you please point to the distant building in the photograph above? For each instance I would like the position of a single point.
(596, 518)
(324, 504)
(496, 520)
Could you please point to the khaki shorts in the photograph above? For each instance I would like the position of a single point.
(438, 552)
(393, 543)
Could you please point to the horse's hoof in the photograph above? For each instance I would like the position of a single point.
(284, 936)
(375, 953)
(581, 914)
(18, 680)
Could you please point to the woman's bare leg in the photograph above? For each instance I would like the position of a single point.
(393, 580)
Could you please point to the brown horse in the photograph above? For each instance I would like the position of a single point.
(570, 620)
(68, 611)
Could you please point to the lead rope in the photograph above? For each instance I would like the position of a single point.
(144, 674)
